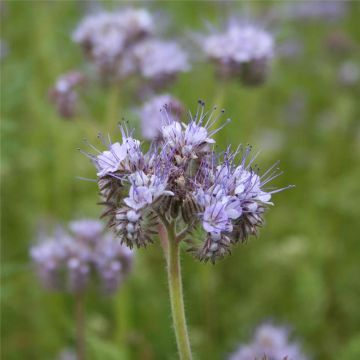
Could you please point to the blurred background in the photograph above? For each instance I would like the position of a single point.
(302, 271)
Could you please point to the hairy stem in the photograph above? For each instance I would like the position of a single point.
(176, 293)
(80, 326)
(164, 240)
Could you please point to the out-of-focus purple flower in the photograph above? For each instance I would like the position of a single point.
(312, 10)
(291, 49)
(67, 354)
(243, 50)
(4, 49)
(77, 264)
(295, 110)
(105, 37)
(68, 260)
(349, 73)
(180, 179)
(113, 261)
(151, 114)
(270, 342)
(64, 94)
(159, 61)
(49, 257)
(86, 229)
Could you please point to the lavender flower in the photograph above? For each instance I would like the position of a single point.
(159, 61)
(106, 37)
(349, 73)
(49, 257)
(67, 354)
(87, 229)
(4, 49)
(151, 114)
(241, 50)
(64, 95)
(182, 180)
(312, 10)
(270, 342)
(113, 260)
(68, 259)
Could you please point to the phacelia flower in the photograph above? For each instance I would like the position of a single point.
(67, 354)
(242, 50)
(159, 61)
(67, 260)
(113, 260)
(151, 114)
(181, 179)
(106, 37)
(4, 49)
(311, 10)
(271, 343)
(64, 94)
(349, 73)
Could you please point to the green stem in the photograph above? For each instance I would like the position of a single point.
(80, 326)
(176, 293)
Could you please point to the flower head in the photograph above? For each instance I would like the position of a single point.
(242, 50)
(67, 260)
(64, 94)
(86, 229)
(270, 342)
(181, 179)
(112, 262)
(159, 61)
(105, 37)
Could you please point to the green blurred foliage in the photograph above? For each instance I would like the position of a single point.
(303, 270)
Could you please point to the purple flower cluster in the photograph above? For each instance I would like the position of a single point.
(151, 114)
(242, 50)
(122, 44)
(106, 37)
(271, 343)
(159, 61)
(67, 260)
(64, 94)
(312, 10)
(182, 180)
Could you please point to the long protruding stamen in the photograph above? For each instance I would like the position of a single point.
(214, 121)
(253, 159)
(85, 179)
(271, 178)
(88, 155)
(92, 146)
(211, 133)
